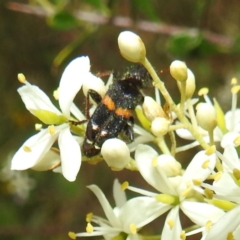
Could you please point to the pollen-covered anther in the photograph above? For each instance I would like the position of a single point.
(72, 235)
(197, 182)
(56, 94)
(89, 228)
(160, 126)
(21, 78)
(178, 70)
(124, 185)
(206, 164)
(210, 150)
(133, 228)
(208, 225)
(89, 217)
(186, 192)
(155, 162)
(38, 126)
(230, 236)
(235, 89)
(217, 176)
(131, 46)
(208, 193)
(183, 235)
(236, 141)
(236, 173)
(203, 91)
(51, 129)
(27, 149)
(234, 81)
(171, 223)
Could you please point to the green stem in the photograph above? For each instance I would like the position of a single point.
(160, 85)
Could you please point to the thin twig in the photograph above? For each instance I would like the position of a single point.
(126, 22)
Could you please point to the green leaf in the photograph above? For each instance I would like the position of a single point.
(63, 21)
(182, 45)
(146, 7)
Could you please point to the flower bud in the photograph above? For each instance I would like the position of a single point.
(169, 165)
(131, 46)
(190, 84)
(160, 126)
(152, 109)
(116, 153)
(178, 70)
(206, 116)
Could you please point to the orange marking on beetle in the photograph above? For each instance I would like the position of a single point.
(126, 113)
(108, 102)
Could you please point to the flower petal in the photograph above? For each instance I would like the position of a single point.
(105, 205)
(144, 156)
(34, 98)
(197, 169)
(169, 231)
(201, 213)
(228, 223)
(31, 152)
(70, 154)
(72, 79)
(140, 211)
(118, 194)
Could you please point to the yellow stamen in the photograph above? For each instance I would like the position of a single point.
(72, 235)
(237, 141)
(155, 162)
(38, 126)
(51, 129)
(171, 223)
(217, 176)
(208, 193)
(203, 91)
(235, 89)
(55, 94)
(21, 78)
(230, 236)
(206, 164)
(89, 228)
(211, 150)
(183, 235)
(133, 228)
(89, 217)
(233, 81)
(124, 185)
(208, 226)
(236, 173)
(197, 182)
(186, 192)
(27, 149)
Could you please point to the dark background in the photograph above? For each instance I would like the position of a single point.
(204, 34)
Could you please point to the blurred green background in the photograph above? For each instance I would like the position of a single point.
(39, 37)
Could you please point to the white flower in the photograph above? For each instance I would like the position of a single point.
(177, 195)
(127, 217)
(35, 152)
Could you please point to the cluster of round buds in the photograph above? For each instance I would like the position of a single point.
(156, 115)
(183, 75)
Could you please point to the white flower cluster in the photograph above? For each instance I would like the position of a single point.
(207, 191)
